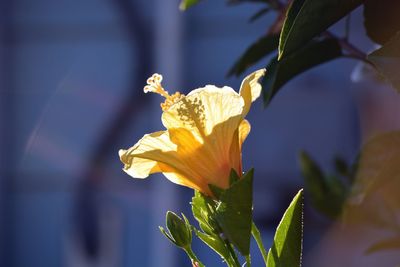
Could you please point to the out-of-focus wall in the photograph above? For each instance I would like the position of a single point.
(71, 78)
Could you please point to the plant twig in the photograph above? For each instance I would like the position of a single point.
(193, 258)
(347, 27)
(352, 51)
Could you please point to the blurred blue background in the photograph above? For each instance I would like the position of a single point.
(72, 75)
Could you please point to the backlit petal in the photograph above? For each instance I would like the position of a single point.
(157, 153)
(210, 160)
(244, 130)
(235, 151)
(138, 166)
(250, 89)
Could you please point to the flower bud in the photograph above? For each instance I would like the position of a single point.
(180, 232)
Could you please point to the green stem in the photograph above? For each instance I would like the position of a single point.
(193, 257)
(257, 236)
(248, 261)
(234, 258)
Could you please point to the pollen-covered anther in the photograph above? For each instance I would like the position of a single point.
(154, 85)
(170, 100)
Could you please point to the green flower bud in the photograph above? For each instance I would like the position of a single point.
(179, 230)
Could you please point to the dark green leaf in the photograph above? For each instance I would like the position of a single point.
(233, 177)
(381, 19)
(215, 190)
(185, 4)
(259, 14)
(264, 46)
(214, 242)
(306, 19)
(313, 177)
(327, 193)
(286, 250)
(234, 212)
(387, 60)
(386, 244)
(311, 55)
(202, 208)
(341, 166)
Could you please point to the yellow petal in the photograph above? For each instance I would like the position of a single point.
(244, 130)
(174, 176)
(235, 151)
(139, 166)
(157, 153)
(209, 162)
(250, 89)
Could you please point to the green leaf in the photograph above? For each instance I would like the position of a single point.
(387, 60)
(341, 166)
(313, 54)
(327, 193)
(261, 48)
(286, 250)
(385, 244)
(305, 19)
(313, 177)
(381, 19)
(215, 190)
(234, 212)
(185, 4)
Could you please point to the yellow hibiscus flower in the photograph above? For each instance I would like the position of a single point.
(203, 139)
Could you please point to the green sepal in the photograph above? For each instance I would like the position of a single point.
(167, 235)
(286, 249)
(179, 230)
